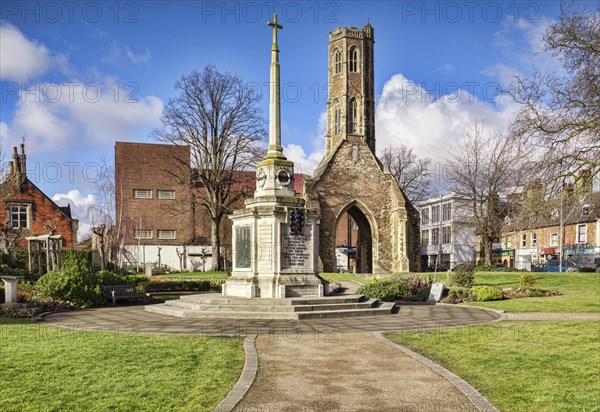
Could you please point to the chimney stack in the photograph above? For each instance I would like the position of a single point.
(11, 168)
(23, 161)
(17, 167)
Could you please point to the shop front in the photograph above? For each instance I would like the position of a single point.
(505, 257)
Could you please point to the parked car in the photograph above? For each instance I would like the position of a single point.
(553, 265)
(535, 267)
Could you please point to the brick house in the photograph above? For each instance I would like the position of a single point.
(157, 208)
(29, 215)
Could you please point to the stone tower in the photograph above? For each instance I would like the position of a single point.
(350, 179)
(351, 104)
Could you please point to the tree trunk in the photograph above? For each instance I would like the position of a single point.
(193, 213)
(216, 243)
(487, 248)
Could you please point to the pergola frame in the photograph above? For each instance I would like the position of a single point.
(52, 244)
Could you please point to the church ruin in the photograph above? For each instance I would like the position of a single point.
(350, 180)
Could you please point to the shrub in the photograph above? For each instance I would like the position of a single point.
(387, 290)
(587, 269)
(463, 267)
(485, 293)
(485, 268)
(534, 292)
(25, 291)
(6, 270)
(492, 268)
(458, 294)
(74, 260)
(463, 278)
(527, 280)
(422, 295)
(419, 287)
(107, 277)
(180, 286)
(80, 287)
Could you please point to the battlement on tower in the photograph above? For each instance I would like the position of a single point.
(352, 32)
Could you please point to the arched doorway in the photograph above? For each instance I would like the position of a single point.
(354, 241)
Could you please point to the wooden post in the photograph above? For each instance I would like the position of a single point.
(29, 254)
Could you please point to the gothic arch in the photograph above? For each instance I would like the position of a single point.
(353, 59)
(368, 239)
(337, 61)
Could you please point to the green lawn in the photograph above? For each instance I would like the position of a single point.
(520, 366)
(344, 276)
(195, 275)
(580, 292)
(51, 369)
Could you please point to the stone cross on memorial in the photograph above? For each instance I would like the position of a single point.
(275, 149)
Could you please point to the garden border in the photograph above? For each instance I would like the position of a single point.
(246, 378)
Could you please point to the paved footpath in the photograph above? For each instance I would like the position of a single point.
(344, 372)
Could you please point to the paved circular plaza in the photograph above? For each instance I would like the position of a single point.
(134, 319)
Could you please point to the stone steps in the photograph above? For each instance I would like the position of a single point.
(218, 299)
(212, 306)
(240, 307)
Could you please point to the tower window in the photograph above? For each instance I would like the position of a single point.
(353, 116)
(338, 120)
(338, 61)
(353, 60)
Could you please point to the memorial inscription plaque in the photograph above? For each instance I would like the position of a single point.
(295, 250)
(242, 247)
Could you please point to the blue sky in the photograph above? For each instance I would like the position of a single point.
(76, 77)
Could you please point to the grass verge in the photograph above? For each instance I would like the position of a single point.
(344, 276)
(520, 366)
(46, 368)
(580, 292)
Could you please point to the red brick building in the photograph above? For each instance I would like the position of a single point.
(27, 212)
(152, 196)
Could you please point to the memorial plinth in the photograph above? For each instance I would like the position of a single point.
(275, 237)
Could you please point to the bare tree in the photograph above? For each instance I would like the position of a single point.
(217, 115)
(482, 171)
(560, 111)
(105, 219)
(410, 172)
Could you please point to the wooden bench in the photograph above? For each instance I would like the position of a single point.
(115, 292)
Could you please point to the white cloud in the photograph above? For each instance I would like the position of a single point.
(509, 41)
(78, 114)
(446, 67)
(306, 163)
(138, 58)
(506, 74)
(20, 58)
(303, 163)
(79, 206)
(76, 199)
(3, 134)
(406, 114)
